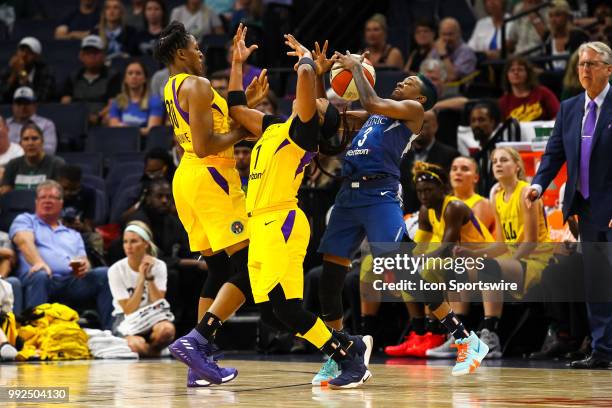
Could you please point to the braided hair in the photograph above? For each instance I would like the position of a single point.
(423, 171)
(173, 38)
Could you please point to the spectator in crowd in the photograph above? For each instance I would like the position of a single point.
(34, 167)
(485, 124)
(424, 148)
(269, 104)
(458, 59)
(571, 82)
(382, 54)
(602, 28)
(220, 81)
(448, 96)
(248, 12)
(424, 40)
(115, 34)
(135, 106)
(524, 99)
(52, 261)
(155, 19)
(24, 111)
(198, 18)
(158, 82)
(242, 154)
(78, 24)
(136, 281)
(562, 37)
(8, 149)
(79, 200)
(486, 37)
(7, 263)
(223, 8)
(528, 31)
(93, 83)
(26, 68)
(134, 15)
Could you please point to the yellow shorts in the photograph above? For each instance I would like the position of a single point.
(210, 204)
(276, 253)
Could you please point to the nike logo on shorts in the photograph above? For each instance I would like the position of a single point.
(269, 222)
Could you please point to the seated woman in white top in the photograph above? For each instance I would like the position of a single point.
(137, 281)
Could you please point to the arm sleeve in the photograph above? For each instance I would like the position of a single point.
(118, 290)
(306, 135)
(160, 273)
(21, 223)
(155, 107)
(270, 120)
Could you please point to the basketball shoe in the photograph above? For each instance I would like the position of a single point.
(330, 369)
(470, 352)
(445, 350)
(198, 354)
(491, 339)
(407, 348)
(429, 341)
(353, 371)
(193, 381)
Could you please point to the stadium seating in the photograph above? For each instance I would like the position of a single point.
(94, 181)
(118, 172)
(89, 162)
(14, 203)
(109, 141)
(101, 213)
(160, 136)
(70, 121)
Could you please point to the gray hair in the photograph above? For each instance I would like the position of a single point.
(430, 64)
(49, 184)
(600, 48)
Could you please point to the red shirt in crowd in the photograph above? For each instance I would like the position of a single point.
(540, 104)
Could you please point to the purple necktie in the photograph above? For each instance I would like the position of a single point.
(585, 147)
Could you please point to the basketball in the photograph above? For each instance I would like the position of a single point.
(342, 80)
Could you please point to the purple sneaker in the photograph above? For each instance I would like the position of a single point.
(354, 371)
(197, 353)
(193, 381)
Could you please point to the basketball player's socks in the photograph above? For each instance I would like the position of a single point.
(491, 323)
(434, 326)
(318, 335)
(208, 326)
(418, 325)
(454, 326)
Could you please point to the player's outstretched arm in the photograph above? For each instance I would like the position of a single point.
(305, 94)
(405, 110)
(322, 65)
(250, 119)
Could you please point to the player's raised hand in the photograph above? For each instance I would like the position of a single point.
(319, 55)
(257, 89)
(241, 51)
(349, 60)
(298, 49)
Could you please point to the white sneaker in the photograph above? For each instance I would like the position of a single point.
(491, 339)
(7, 352)
(444, 350)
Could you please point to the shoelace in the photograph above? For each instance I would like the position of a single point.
(462, 351)
(207, 351)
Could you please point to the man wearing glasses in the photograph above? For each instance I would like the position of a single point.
(53, 265)
(582, 137)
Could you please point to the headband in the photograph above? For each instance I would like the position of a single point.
(426, 175)
(140, 231)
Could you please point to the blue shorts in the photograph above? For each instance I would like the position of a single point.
(348, 226)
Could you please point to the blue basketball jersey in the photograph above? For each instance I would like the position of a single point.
(377, 148)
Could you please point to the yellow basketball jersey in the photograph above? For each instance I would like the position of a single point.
(472, 231)
(277, 169)
(473, 200)
(511, 217)
(180, 118)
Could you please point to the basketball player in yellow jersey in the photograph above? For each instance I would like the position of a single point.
(279, 229)
(524, 228)
(208, 196)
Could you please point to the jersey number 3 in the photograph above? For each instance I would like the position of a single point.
(361, 141)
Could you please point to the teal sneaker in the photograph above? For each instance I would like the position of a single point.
(328, 372)
(470, 352)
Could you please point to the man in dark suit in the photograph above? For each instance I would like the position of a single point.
(425, 148)
(582, 137)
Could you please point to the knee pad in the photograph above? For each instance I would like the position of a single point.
(330, 291)
(268, 317)
(291, 312)
(491, 272)
(218, 273)
(240, 279)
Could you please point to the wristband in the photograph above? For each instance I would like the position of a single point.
(307, 61)
(150, 279)
(236, 98)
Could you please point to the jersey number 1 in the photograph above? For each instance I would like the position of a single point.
(258, 148)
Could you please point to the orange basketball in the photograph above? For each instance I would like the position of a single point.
(342, 80)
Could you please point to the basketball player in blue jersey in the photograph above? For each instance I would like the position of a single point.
(368, 203)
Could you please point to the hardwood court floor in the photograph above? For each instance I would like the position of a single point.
(407, 383)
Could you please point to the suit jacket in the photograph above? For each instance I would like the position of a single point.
(440, 154)
(564, 146)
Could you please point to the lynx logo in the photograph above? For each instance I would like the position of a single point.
(237, 227)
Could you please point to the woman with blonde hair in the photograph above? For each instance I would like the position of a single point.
(135, 106)
(116, 35)
(136, 281)
(382, 54)
(571, 82)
